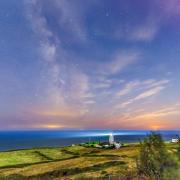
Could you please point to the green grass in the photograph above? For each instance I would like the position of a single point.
(20, 157)
(76, 162)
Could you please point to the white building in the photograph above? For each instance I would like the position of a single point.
(111, 139)
(175, 140)
(98, 146)
(117, 145)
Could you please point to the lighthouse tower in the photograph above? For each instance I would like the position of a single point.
(111, 139)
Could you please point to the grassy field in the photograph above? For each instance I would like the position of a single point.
(76, 162)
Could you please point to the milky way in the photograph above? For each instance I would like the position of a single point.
(90, 64)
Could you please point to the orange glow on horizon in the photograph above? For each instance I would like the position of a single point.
(155, 127)
(52, 126)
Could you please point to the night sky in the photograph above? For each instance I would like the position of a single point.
(90, 64)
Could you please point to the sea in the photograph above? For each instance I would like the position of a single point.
(13, 140)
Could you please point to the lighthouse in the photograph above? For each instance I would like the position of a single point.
(111, 139)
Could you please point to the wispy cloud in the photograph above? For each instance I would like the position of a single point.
(140, 90)
(121, 60)
(170, 7)
(144, 32)
(162, 112)
(128, 88)
(149, 93)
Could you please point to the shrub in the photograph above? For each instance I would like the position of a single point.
(178, 148)
(154, 158)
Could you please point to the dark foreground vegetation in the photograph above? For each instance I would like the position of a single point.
(155, 161)
(148, 160)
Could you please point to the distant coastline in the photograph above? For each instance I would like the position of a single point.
(14, 140)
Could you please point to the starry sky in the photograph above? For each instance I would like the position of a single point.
(90, 64)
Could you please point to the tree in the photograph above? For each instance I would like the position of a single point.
(178, 148)
(154, 158)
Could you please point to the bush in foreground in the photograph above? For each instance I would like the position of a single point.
(154, 160)
(178, 149)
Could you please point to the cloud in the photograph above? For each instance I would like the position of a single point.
(145, 32)
(133, 86)
(90, 102)
(170, 7)
(153, 82)
(102, 85)
(160, 118)
(146, 89)
(150, 27)
(121, 60)
(128, 88)
(163, 112)
(149, 93)
(124, 104)
(147, 29)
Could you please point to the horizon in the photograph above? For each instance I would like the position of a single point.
(75, 129)
(90, 65)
